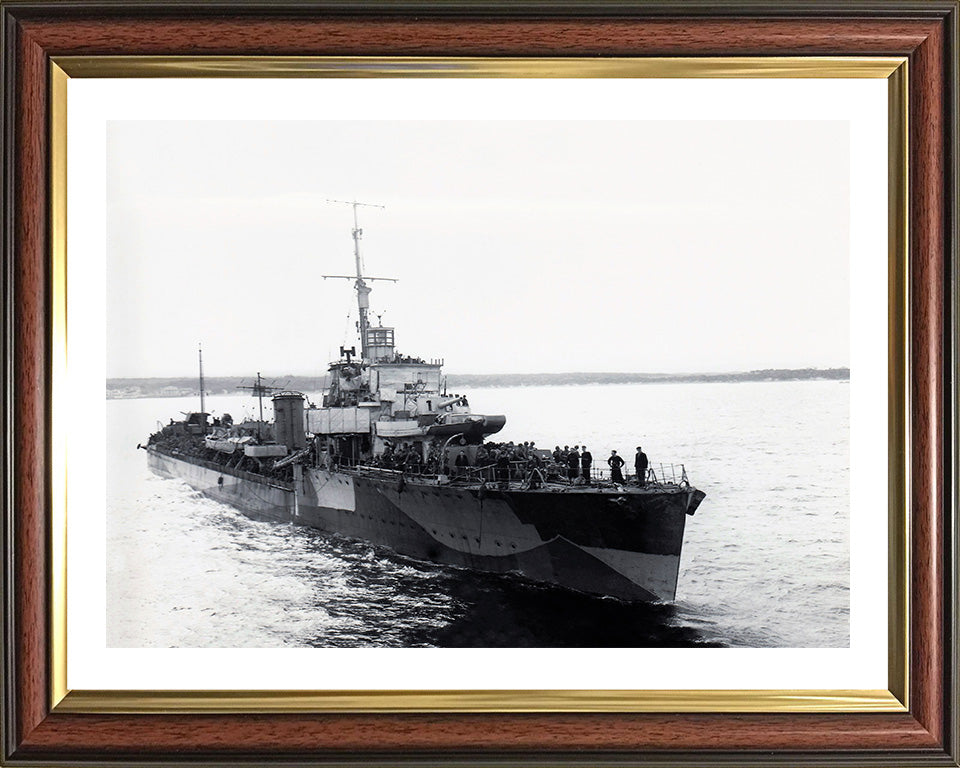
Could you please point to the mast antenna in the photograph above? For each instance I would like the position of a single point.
(360, 284)
(259, 389)
(203, 409)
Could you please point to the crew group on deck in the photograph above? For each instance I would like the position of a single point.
(503, 462)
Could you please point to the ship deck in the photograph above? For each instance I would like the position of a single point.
(474, 480)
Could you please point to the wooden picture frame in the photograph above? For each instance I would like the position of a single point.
(40, 727)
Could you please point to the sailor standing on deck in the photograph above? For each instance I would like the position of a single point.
(586, 460)
(573, 463)
(503, 469)
(640, 467)
(615, 463)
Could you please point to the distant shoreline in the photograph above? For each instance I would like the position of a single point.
(185, 386)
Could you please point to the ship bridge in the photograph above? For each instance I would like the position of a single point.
(379, 344)
(405, 376)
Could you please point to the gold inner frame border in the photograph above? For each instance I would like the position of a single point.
(894, 699)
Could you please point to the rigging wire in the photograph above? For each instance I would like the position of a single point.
(346, 328)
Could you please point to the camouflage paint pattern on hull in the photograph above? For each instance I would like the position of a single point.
(623, 544)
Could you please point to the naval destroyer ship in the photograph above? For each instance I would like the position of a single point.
(392, 458)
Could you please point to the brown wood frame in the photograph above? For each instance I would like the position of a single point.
(926, 32)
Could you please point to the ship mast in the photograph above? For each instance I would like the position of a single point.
(360, 284)
(259, 389)
(203, 409)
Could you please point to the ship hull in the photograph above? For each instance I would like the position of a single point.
(626, 545)
(242, 490)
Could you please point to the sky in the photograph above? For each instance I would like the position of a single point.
(519, 247)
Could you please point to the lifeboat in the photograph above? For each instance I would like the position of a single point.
(469, 424)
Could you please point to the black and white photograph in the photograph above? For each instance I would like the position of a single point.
(478, 384)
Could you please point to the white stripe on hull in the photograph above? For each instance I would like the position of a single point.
(330, 489)
(655, 573)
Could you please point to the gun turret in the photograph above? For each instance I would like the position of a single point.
(459, 399)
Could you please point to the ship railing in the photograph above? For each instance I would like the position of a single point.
(517, 474)
(388, 472)
(667, 475)
(657, 476)
(347, 462)
(358, 465)
(489, 472)
(226, 469)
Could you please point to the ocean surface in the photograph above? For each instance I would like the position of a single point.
(765, 560)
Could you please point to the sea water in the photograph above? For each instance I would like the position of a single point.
(765, 558)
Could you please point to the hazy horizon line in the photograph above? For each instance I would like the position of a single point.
(729, 372)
